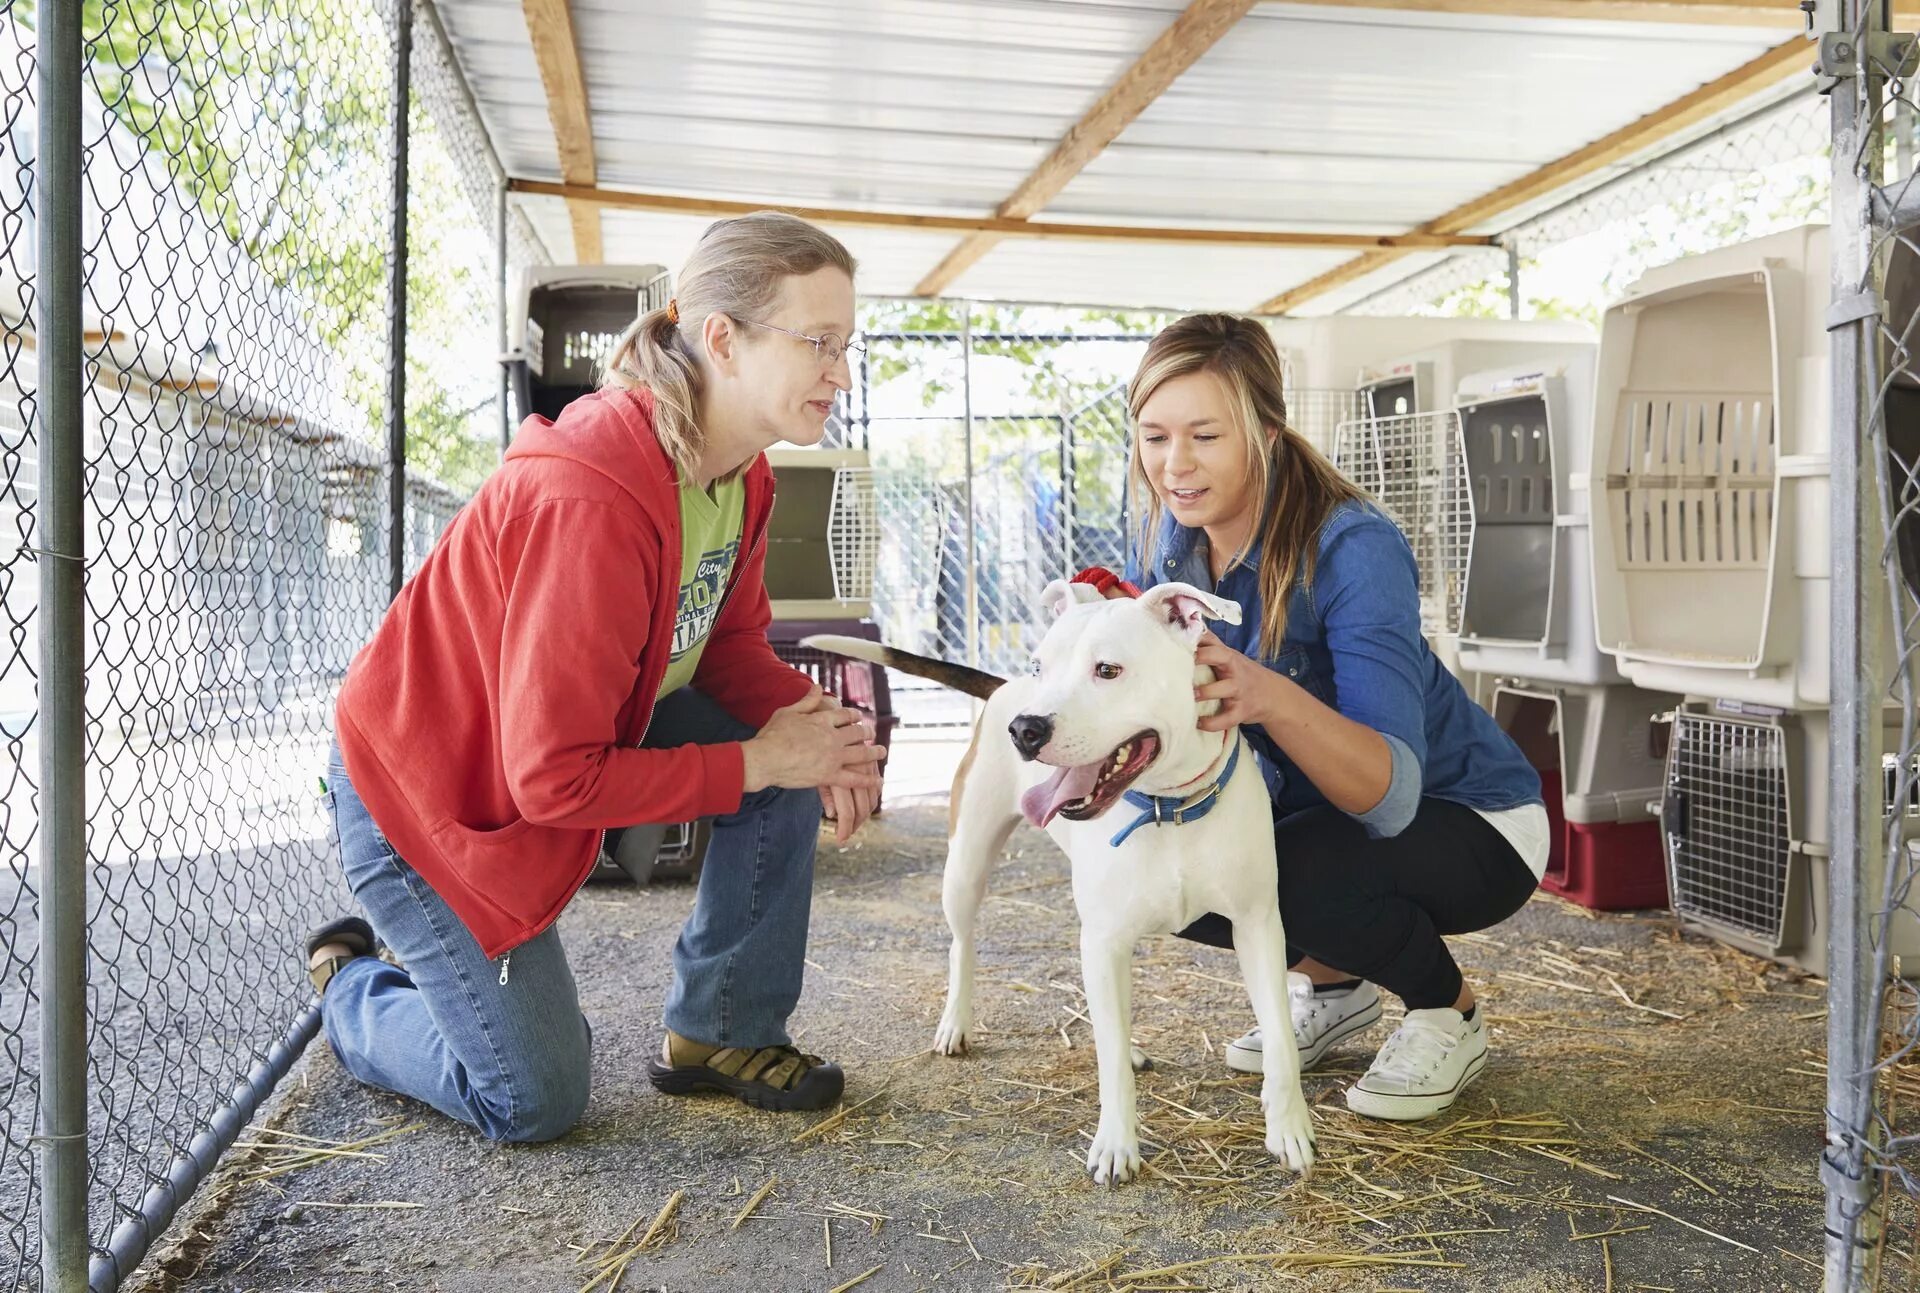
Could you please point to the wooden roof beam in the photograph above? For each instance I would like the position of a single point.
(996, 227)
(1175, 50)
(557, 50)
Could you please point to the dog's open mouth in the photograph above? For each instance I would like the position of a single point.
(1089, 789)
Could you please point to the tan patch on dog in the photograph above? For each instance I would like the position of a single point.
(960, 777)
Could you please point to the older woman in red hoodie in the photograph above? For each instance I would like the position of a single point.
(586, 649)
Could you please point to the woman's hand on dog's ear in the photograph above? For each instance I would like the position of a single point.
(1243, 687)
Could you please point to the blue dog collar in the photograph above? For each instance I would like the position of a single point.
(1160, 809)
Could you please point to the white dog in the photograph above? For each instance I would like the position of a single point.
(1161, 821)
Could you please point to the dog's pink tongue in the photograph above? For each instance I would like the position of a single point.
(1062, 788)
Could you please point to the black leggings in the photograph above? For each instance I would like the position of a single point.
(1376, 908)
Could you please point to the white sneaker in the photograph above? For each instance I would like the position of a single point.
(1321, 1021)
(1423, 1068)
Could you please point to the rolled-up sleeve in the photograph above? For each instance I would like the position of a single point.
(1367, 588)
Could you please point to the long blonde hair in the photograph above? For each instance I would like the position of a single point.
(736, 269)
(1298, 487)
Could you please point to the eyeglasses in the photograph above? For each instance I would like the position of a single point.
(827, 347)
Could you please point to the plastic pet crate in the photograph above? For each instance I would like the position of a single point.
(644, 854)
(1601, 778)
(824, 539)
(1745, 826)
(855, 683)
(1528, 611)
(563, 326)
(1709, 475)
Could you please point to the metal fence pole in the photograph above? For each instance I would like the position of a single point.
(1513, 279)
(500, 307)
(1855, 866)
(396, 411)
(62, 1138)
(973, 537)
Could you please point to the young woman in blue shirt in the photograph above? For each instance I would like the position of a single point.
(1401, 811)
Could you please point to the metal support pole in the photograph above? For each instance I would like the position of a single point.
(1068, 481)
(973, 543)
(866, 399)
(62, 1134)
(500, 307)
(397, 303)
(1513, 280)
(1856, 865)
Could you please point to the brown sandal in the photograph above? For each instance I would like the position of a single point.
(779, 1078)
(350, 931)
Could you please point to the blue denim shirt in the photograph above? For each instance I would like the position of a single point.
(1353, 641)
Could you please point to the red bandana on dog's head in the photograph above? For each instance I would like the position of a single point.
(1104, 581)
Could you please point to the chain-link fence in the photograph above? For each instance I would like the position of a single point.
(999, 442)
(1873, 1190)
(235, 166)
(1760, 173)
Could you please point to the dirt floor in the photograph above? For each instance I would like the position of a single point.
(1650, 1120)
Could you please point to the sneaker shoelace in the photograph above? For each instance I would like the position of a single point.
(1417, 1048)
(1309, 1010)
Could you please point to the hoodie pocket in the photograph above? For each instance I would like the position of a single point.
(501, 866)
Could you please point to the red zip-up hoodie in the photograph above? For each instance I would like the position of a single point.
(490, 726)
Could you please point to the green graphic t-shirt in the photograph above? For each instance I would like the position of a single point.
(709, 543)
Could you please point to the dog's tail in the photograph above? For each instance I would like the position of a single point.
(974, 682)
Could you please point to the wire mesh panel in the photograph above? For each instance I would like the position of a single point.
(1726, 823)
(968, 542)
(1415, 467)
(236, 528)
(1317, 412)
(853, 533)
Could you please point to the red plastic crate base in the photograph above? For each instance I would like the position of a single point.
(1603, 866)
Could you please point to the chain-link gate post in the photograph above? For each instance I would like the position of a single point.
(973, 521)
(1856, 863)
(396, 410)
(62, 1134)
(500, 304)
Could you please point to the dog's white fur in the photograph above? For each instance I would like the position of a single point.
(1157, 881)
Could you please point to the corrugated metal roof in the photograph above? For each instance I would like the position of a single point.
(1301, 117)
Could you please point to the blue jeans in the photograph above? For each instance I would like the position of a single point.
(513, 1059)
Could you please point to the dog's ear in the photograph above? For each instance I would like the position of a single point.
(1186, 609)
(1059, 597)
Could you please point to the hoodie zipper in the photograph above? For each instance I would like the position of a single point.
(506, 958)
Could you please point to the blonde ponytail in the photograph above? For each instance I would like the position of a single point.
(736, 269)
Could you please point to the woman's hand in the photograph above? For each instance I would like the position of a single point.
(848, 809)
(813, 742)
(1245, 688)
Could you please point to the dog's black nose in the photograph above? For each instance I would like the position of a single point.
(1030, 733)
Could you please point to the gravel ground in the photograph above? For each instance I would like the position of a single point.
(966, 1174)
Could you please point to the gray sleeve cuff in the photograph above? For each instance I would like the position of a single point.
(1397, 807)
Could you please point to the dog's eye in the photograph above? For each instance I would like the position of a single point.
(1106, 671)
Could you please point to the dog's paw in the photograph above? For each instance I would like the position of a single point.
(1114, 1156)
(1290, 1134)
(950, 1038)
(1142, 1062)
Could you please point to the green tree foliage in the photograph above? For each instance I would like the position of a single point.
(271, 119)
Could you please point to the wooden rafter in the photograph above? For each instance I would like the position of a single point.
(557, 50)
(1189, 36)
(996, 227)
(1719, 13)
(1716, 96)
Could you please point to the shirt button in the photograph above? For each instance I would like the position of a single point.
(1170, 563)
(1292, 672)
